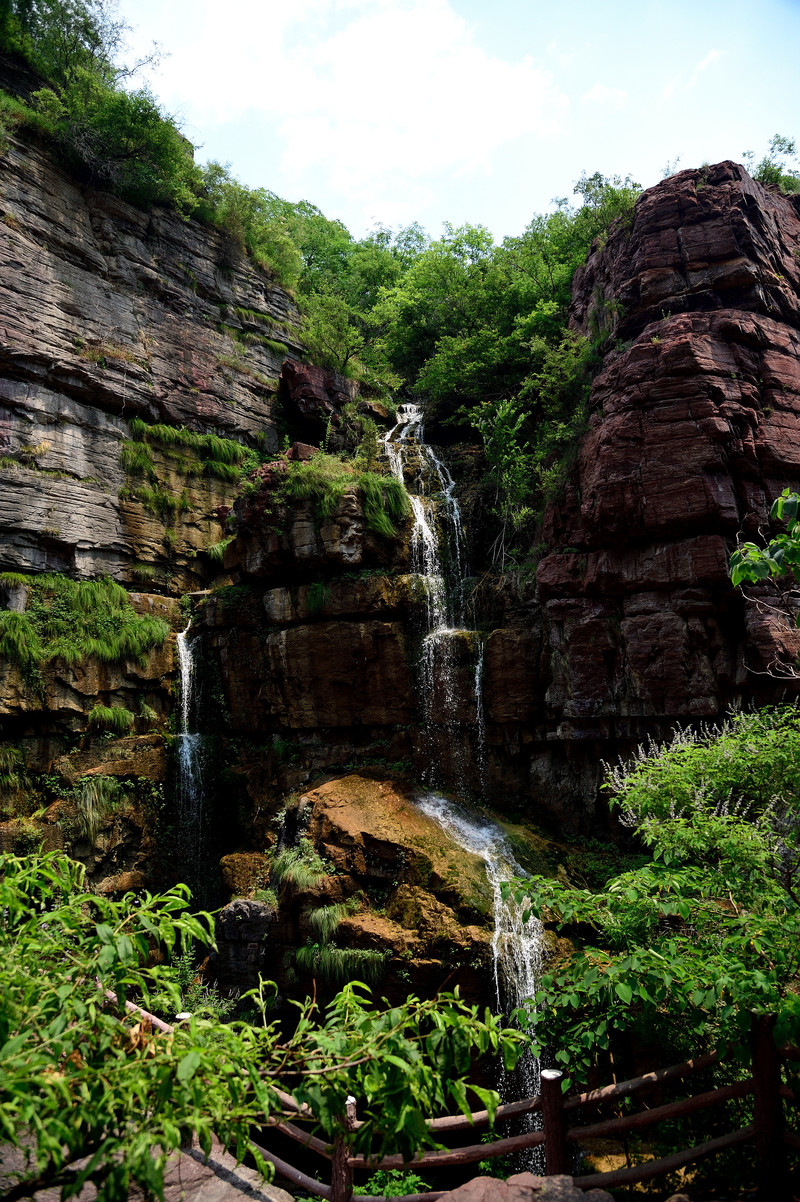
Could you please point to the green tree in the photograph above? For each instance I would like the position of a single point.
(751, 563)
(775, 166)
(79, 1079)
(706, 932)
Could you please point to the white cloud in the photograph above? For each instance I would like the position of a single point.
(676, 84)
(376, 95)
(711, 57)
(609, 98)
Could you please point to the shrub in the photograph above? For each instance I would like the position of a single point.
(72, 620)
(325, 480)
(392, 1183)
(112, 718)
(340, 965)
(325, 920)
(135, 457)
(317, 596)
(217, 550)
(19, 640)
(95, 797)
(299, 866)
(12, 768)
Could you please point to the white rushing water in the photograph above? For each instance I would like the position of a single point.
(190, 768)
(517, 946)
(439, 559)
(446, 693)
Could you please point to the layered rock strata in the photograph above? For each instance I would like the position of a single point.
(632, 625)
(109, 313)
(694, 430)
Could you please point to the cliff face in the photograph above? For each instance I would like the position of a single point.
(693, 433)
(308, 652)
(632, 625)
(109, 313)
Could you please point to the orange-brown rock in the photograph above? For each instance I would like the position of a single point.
(372, 830)
(123, 882)
(143, 756)
(242, 872)
(22, 836)
(402, 886)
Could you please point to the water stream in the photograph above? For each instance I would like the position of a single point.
(451, 693)
(191, 810)
(439, 559)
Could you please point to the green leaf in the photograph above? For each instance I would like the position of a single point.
(188, 1066)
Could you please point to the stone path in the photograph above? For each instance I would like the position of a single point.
(188, 1179)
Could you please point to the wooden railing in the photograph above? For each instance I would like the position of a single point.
(561, 1129)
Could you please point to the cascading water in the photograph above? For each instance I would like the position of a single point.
(480, 718)
(439, 558)
(191, 814)
(517, 946)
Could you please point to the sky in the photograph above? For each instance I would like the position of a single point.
(386, 112)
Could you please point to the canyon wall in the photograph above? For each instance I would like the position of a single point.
(308, 634)
(109, 313)
(631, 625)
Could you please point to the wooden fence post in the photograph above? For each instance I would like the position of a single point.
(771, 1168)
(555, 1144)
(341, 1173)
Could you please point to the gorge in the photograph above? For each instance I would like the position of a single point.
(150, 377)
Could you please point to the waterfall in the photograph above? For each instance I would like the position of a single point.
(517, 946)
(191, 815)
(439, 558)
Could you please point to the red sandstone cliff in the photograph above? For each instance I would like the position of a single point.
(694, 430)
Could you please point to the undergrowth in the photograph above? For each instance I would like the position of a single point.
(299, 866)
(324, 480)
(189, 454)
(73, 620)
(96, 796)
(112, 718)
(338, 965)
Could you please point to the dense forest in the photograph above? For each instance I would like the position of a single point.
(690, 929)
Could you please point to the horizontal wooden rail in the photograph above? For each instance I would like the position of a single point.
(430, 1197)
(305, 1138)
(480, 1118)
(610, 1093)
(294, 1175)
(158, 1023)
(660, 1114)
(300, 1109)
(447, 1157)
(668, 1164)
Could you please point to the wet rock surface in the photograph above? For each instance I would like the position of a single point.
(403, 886)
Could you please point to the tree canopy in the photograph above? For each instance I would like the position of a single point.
(706, 931)
(80, 1078)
